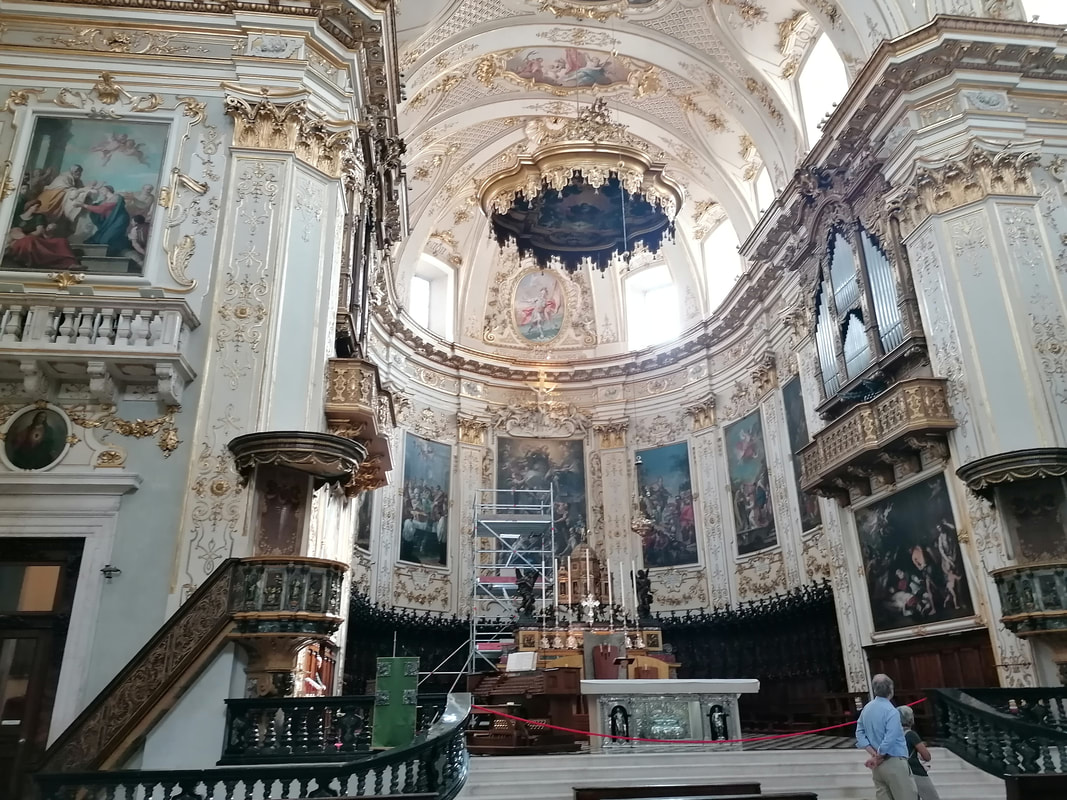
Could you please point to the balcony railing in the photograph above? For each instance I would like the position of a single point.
(139, 341)
(996, 741)
(1033, 597)
(433, 765)
(907, 418)
(296, 729)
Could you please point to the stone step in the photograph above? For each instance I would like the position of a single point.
(832, 774)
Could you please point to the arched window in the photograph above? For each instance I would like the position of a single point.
(1050, 12)
(431, 296)
(724, 263)
(764, 190)
(822, 81)
(652, 312)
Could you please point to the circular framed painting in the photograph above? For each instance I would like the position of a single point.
(36, 439)
(539, 306)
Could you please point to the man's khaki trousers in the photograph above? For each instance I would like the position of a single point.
(893, 781)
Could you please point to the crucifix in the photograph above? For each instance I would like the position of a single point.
(590, 605)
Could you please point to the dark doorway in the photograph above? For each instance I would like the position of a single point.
(37, 582)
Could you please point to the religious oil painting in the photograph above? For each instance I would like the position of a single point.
(796, 424)
(36, 439)
(364, 509)
(666, 488)
(426, 492)
(568, 67)
(746, 457)
(87, 196)
(539, 306)
(912, 558)
(539, 465)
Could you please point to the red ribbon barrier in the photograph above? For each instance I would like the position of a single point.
(670, 741)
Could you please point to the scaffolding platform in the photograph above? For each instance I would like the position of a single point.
(514, 543)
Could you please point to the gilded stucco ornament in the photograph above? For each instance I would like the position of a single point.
(600, 11)
(471, 430)
(105, 418)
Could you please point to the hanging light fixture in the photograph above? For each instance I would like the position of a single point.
(588, 191)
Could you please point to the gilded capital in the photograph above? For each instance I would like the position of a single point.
(702, 414)
(981, 169)
(281, 121)
(472, 431)
(612, 434)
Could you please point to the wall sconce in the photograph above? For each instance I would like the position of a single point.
(110, 571)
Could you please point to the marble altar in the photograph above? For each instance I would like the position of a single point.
(665, 709)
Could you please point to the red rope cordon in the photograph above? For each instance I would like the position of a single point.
(670, 741)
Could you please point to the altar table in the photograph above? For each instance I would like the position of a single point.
(665, 709)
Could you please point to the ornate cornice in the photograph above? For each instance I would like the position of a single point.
(983, 475)
(899, 66)
(267, 119)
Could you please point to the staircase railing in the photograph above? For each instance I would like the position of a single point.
(434, 763)
(1043, 705)
(286, 596)
(996, 741)
(299, 729)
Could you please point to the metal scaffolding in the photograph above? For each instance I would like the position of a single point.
(514, 539)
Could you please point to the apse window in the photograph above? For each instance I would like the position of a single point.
(1050, 12)
(764, 190)
(822, 82)
(430, 297)
(652, 312)
(724, 263)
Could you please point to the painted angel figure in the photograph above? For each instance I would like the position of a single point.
(118, 143)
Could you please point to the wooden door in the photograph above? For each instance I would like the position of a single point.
(37, 582)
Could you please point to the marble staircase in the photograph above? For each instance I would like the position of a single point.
(834, 774)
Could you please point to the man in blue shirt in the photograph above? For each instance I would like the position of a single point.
(879, 732)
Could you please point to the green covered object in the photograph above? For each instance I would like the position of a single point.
(396, 702)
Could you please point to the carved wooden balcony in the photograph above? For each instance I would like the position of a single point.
(877, 440)
(1033, 598)
(358, 408)
(110, 343)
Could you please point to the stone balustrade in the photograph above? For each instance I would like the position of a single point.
(109, 343)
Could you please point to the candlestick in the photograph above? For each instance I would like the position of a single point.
(555, 584)
(611, 605)
(569, 579)
(587, 589)
(544, 609)
(633, 578)
(622, 587)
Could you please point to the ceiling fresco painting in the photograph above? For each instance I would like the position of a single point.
(709, 88)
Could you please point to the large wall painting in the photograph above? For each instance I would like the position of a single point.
(796, 423)
(87, 196)
(912, 558)
(539, 305)
(558, 464)
(666, 491)
(364, 509)
(427, 487)
(746, 457)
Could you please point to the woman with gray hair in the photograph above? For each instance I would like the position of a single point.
(917, 750)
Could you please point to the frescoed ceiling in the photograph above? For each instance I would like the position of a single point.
(709, 87)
